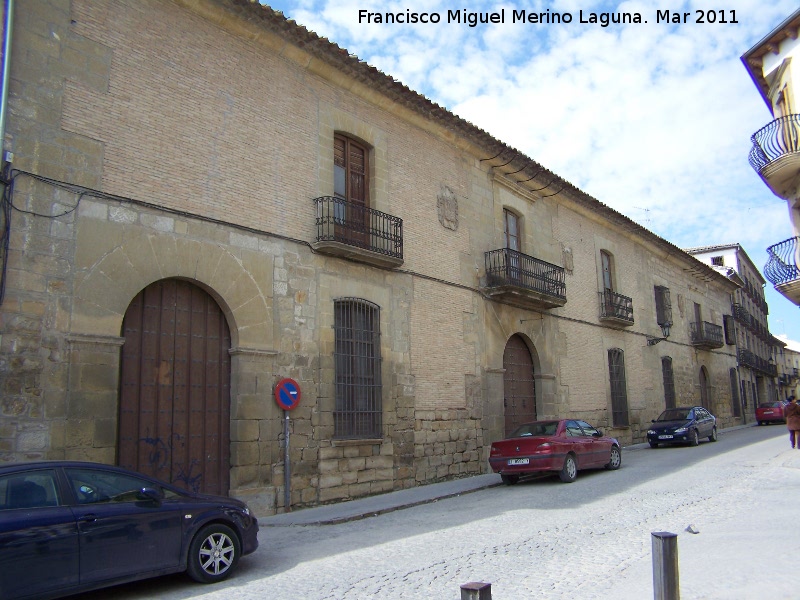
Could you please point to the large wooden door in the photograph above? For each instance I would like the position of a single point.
(174, 418)
(519, 396)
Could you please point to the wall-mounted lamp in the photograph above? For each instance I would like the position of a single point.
(664, 330)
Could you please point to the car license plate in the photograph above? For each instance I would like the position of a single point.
(767, 412)
(665, 437)
(518, 461)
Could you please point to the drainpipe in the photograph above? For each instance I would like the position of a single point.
(7, 26)
(5, 157)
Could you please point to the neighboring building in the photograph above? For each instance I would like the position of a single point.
(776, 147)
(208, 198)
(788, 368)
(747, 324)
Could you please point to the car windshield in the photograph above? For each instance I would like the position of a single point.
(536, 429)
(675, 414)
(770, 405)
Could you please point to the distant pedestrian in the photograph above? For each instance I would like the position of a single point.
(793, 421)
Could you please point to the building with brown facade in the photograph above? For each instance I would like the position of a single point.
(203, 198)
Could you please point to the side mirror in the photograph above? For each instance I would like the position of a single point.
(598, 433)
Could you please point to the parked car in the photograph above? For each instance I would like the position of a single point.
(684, 425)
(771, 412)
(68, 527)
(562, 447)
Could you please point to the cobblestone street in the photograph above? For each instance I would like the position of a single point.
(544, 539)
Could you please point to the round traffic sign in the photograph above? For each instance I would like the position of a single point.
(287, 394)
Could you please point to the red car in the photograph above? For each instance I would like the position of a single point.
(562, 447)
(771, 412)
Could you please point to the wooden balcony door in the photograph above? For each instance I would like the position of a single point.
(350, 168)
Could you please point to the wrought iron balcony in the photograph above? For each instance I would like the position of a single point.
(522, 280)
(706, 335)
(748, 359)
(355, 231)
(775, 155)
(781, 269)
(743, 316)
(616, 308)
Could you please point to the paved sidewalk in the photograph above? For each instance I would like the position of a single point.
(375, 505)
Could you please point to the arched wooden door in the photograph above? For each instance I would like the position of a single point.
(174, 416)
(519, 395)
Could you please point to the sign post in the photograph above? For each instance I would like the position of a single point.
(287, 396)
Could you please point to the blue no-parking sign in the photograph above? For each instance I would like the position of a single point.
(287, 394)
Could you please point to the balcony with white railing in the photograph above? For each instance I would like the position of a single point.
(782, 268)
(775, 155)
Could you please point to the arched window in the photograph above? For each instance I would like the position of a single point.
(619, 394)
(357, 361)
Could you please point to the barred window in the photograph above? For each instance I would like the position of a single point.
(737, 408)
(669, 382)
(357, 362)
(729, 329)
(619, 395)
(663, 306)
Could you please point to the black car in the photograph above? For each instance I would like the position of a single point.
(68, 527)
(685, 425)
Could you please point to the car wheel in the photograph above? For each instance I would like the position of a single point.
(761, 423)
(213, 554)
(713, 436)
(509, 479)
(569, 471)
(694, 440)
(653, 444)
(615, 459)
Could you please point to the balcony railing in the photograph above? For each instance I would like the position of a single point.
(749, 359)
(782, 265)
(706, 335)
(743, 316)
(774, 140)
(515, 277)
(616, 308)
(775, 154)
(355, 231)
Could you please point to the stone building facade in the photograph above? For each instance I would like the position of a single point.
(204, 198)
(756, 347)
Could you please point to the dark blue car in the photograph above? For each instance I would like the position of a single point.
(67, 527)
(684, 425)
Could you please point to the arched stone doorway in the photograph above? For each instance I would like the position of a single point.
(174, 415)
(519, 386)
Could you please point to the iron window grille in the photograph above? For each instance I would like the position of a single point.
(669, 382)
(735, 405)
(619, 394)
(357, 362)
(663, 306)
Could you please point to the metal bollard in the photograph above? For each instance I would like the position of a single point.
(476, 590)
(666, 585)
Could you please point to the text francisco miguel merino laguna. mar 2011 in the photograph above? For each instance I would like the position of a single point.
(548, 17)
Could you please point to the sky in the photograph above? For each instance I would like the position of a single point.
(652, 119)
